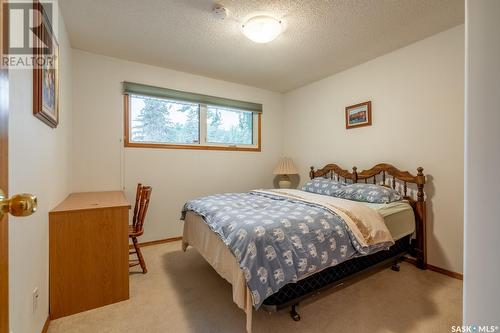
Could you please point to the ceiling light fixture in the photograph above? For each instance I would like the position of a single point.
(262, 29)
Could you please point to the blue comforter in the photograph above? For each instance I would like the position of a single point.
(277, 240)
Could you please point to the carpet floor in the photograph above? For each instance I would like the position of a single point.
(182, 293)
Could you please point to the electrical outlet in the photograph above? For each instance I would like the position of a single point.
(35, 299)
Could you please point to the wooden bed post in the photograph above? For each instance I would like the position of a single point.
(311, 173)
(421, 243)
(355, 174)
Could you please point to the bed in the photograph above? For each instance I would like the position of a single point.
(404, 220)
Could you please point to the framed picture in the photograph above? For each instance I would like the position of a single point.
(46, 71)
(358, 115)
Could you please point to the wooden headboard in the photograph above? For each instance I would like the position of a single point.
(402, 181)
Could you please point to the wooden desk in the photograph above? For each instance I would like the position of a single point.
(88, 252)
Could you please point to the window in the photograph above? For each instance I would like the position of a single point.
(162, 122)
(156, 120)
(229, 126)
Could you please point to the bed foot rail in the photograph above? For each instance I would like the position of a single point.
(294, 314)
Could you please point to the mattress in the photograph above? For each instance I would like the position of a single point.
(398, 217)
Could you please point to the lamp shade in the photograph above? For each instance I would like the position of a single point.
(285, 167)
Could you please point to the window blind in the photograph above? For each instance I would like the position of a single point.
(142, 89)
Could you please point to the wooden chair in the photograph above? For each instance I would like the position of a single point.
(137, 228)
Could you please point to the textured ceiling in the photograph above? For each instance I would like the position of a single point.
(322, 37)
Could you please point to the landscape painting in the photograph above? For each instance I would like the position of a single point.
(358, 115)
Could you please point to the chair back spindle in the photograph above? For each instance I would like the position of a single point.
(141, 207)
(137, 200)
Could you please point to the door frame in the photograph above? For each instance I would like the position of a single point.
(4, 174)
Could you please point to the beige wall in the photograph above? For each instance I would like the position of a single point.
(39, 159)
(100, 162)
(482, 199)
(417, 95)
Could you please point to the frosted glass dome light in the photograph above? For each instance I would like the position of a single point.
(262, 29)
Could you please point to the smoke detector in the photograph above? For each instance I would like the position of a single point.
(219, 12)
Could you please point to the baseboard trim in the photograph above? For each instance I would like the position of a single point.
(436, 269)
(440, 270)
(46, 325)
(159, 241)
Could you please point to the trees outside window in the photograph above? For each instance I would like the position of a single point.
(162, 121)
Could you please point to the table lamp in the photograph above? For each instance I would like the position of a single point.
(284, 168)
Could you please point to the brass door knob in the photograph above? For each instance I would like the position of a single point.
(18, 205)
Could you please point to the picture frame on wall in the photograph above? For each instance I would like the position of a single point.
(358, 115)
(46, 71)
